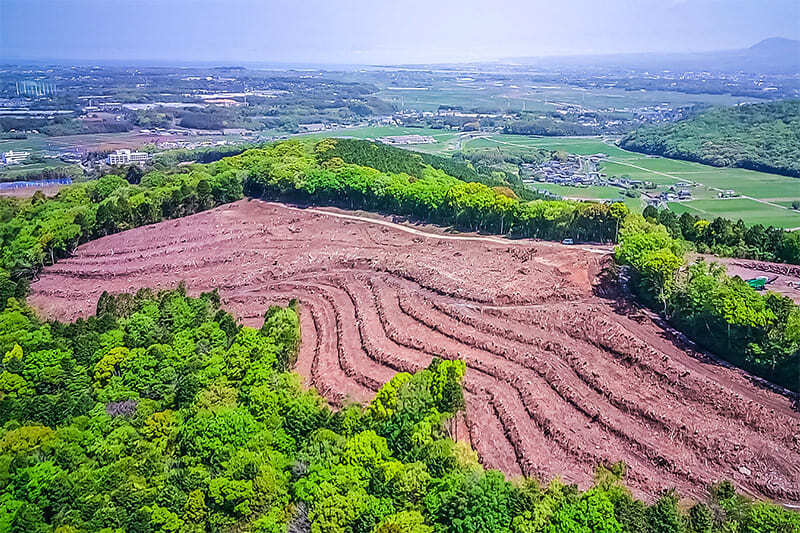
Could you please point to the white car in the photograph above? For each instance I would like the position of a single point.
(567, 241)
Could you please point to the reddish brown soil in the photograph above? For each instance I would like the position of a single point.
(558, 381)
(27, 192)
(782, 278)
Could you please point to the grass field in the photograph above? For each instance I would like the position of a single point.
(621, 168)
(574, 145)
(12, 172)
(751, 211)
(772, 188)
(749, 182)
(507, 96)
(660, 170)
(586, 193)
(590, 193)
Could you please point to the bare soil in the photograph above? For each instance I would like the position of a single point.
(559, 379)
(781, 277)
(27, 192)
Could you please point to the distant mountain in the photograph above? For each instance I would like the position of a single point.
(776, 47)
(775, 55)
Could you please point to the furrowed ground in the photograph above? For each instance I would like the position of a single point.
(558, 379)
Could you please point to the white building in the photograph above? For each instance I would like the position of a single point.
(13, 158)
(407, 139)
(126, 157)
(310, 128)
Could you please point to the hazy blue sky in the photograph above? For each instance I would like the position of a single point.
(380, 31)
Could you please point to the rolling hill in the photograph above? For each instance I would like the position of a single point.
(762, 137)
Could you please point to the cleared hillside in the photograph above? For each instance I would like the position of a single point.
(558, 379)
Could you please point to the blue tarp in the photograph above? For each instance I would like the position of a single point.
(34, 183)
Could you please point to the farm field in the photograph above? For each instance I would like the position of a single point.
(772, 188)
(373, 132)
(574, 145)
(471, 94)
(99, 141)
(589, 193)
(559, 379)
(749, 210)
(27, 192)
(444, 138)
(11, 172)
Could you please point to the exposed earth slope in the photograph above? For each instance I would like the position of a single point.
(558, 379)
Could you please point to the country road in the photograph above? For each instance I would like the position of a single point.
(595, 249)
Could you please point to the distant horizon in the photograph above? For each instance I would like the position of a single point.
(364, 33)
(304, 65)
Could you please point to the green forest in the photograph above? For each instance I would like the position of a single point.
(763, 137)
(392, 160)
(755, 331)
(161, 413)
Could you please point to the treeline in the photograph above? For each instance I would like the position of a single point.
(290, 171)
(204, 154)
(63, 125)
(757, 332)
(726, 238)
(69, 171)
(162, 414)
(549, 127)
(394, 160)
(375, 155)
(763, 137)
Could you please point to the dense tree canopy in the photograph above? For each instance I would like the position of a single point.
(393, 160)
(724, 237)
(290, 170)
(758, 136)
(759, 332)
(161, 413)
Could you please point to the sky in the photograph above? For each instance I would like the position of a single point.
(380, 31)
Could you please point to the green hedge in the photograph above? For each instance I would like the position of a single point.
(758, 332)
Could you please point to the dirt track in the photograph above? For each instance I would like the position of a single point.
(558, 380)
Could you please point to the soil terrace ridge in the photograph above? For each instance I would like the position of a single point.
(558, 379)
